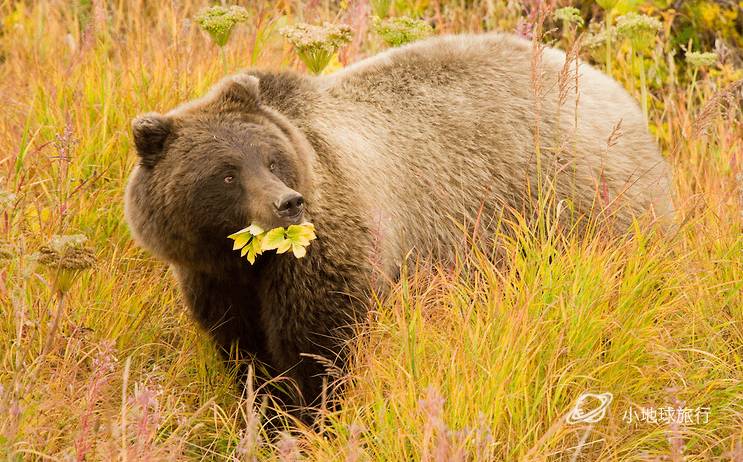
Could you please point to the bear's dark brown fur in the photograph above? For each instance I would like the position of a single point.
(390, 155)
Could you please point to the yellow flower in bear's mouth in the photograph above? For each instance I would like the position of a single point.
(253, 240)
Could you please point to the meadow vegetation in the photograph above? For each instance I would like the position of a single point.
(473, 361)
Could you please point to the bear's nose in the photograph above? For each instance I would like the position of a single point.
(290, 204)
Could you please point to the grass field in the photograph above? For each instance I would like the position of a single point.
(471, 362)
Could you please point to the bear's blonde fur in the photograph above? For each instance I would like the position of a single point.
(435, 130)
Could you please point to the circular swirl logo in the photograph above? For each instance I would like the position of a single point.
(590, 408)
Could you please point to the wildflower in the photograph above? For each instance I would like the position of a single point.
(639, 29)
(288, 448)
(401, 30)
(524, 29)
(354, 449)
(569, 15)
(67, 256)
(218, 21)
(699, 59)
(105, 360)
(438, 439)
(315, 45)
(145, 396)
(250, 438)
(483, 439)
(433, 404)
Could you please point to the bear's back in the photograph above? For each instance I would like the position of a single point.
(444, 129)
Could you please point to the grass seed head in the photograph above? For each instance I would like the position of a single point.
(66, 256)
(6, 252)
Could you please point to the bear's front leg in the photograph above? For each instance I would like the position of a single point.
(307, 331)
(314, 357)
(227, 310)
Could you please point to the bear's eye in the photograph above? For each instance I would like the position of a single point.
(272, 166)
(229, 179)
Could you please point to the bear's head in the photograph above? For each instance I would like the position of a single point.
(212, 167)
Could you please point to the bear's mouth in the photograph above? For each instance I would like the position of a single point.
(292, 219)
(297, 217)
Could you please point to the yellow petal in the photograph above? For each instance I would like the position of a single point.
(299, 251)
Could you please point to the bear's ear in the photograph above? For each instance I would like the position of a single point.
(150, 132)
(243, 89)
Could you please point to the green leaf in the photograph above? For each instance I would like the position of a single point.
(237, 233)
(256, 246)
(273, 239)
(240, 240)
(301, 234)
(284, 246)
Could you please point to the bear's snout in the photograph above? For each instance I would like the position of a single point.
(290, 207)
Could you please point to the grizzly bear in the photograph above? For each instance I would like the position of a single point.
(392, 156)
